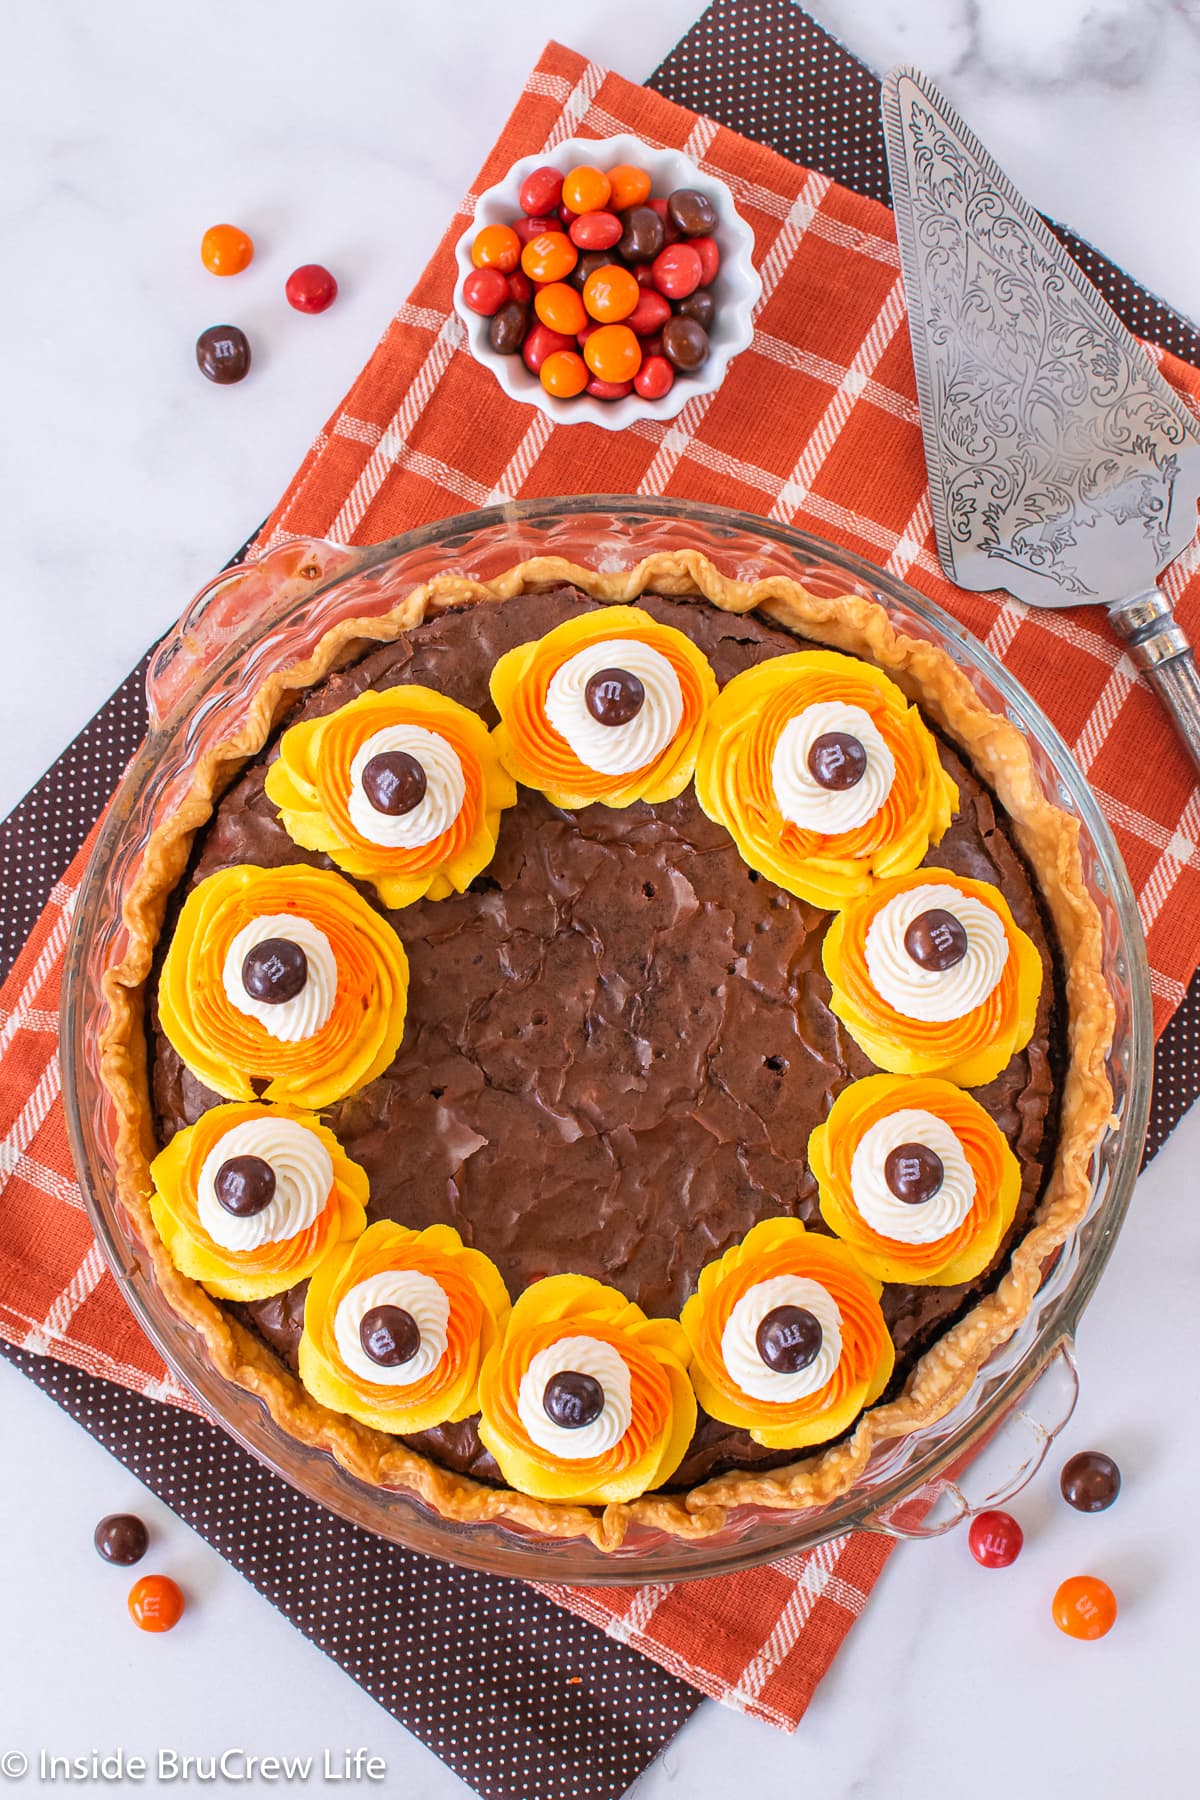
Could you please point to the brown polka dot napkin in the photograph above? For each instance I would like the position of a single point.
(524, 1700)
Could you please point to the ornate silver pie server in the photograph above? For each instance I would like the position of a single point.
(1061, 465)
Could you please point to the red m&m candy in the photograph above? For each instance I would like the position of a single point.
(310, 288)
(678, 271)
(541, 191)
(595, 230)
(710, 257)
(655, 378)
(485, 291)
(608, 390)
(651, 312)
(995, 1539)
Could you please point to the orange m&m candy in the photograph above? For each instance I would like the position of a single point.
(225, 250)
(561, 308)
(155, 1603)
(550, 256)
(1085, 1607)
(496, 247)
(585, 189)
(611, 293)
(630, 187)
(564, 373)
(613, 353)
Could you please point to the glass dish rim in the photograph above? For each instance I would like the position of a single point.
(848, 1511)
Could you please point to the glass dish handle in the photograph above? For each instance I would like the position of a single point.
(1004, 1463)
(237, 601)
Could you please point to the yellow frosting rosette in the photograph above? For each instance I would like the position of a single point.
(912, 1009)
(329, 985)
(823, 774)
(787, 1336)
(251, 1198)
(397, 1324)
(916, 1178)
(403, 789)
(585, 1398)
(606, 707)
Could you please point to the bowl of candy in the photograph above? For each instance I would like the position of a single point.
(608, 282)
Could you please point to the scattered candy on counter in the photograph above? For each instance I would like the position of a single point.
(311, 288)
(226, 250)
(223, 353)
(121, 1538)
(155, 1603)
(618, 282)
(995, 1539)
(1090, 1481)
(1085, 1607)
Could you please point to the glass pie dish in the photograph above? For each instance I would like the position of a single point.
(268, 615)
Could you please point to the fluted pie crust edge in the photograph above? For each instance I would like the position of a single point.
(1049, 838)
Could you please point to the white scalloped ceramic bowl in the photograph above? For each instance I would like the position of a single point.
(735, 289)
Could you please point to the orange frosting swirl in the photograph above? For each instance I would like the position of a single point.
(224, 1047)
(969, 1050)
(735, 784)
(540, 757)
(274, 1266)
(311, 781)
(782, 1248)
(662, 1407)
(964, 1252)
(476, 1310)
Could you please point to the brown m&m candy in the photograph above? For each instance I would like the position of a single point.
(837, 761)
(1090, 1481)
(274, 971)
(788, 1338)
(691, 212)
(614, 696)
(508, 327)
(643, 236)
(394, 782)
(223, 354)
(389, 1335)
(572, 1399)
(699, 306)
(936, 940)
(914, 1173)
(121, 1538)
(245, 1185)
(684, 342)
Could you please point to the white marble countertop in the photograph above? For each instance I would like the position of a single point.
(346, 135)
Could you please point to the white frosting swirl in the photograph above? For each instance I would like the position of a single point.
(935, 995)
(616, 749)
(303, 1015)
(801, 797)
(586, 1356)
(739, 1348)
(924, 1221)
(438, 807)
(303, 1170)
(415, 1293)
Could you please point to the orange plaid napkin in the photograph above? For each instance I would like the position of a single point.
(816, 424)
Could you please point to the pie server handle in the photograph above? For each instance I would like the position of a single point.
(1004, 1459)
(1158, 647)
